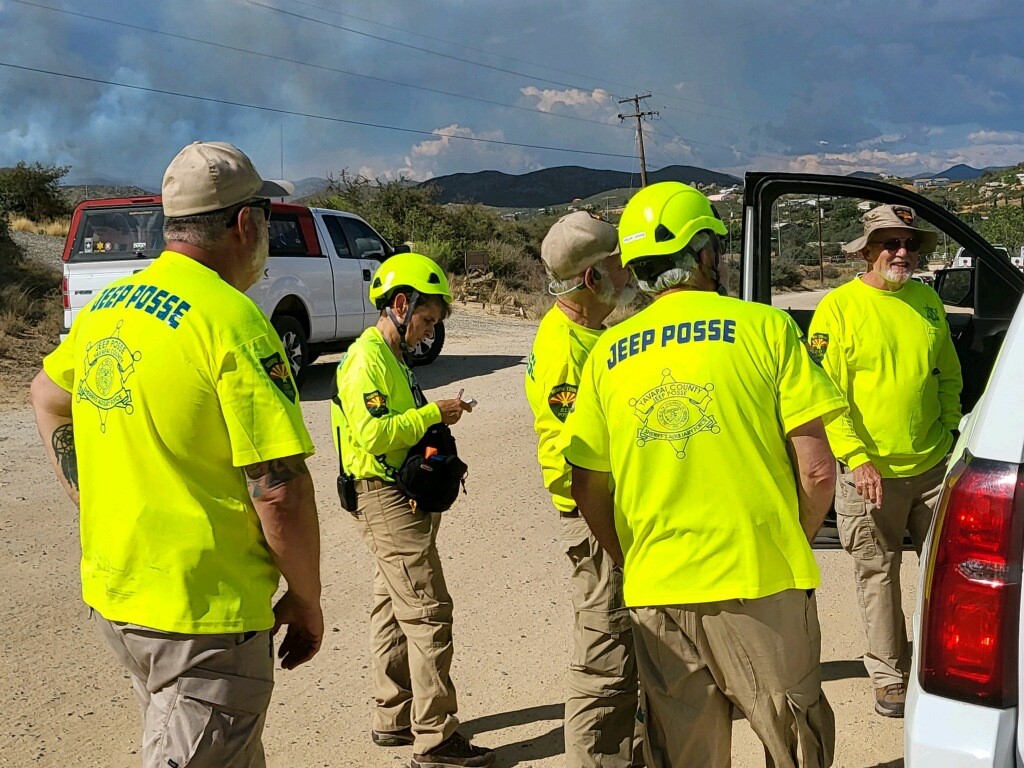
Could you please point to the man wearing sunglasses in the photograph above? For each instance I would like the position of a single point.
(171, 418)
(883, 339)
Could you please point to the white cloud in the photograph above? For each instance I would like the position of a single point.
(996, 137)
(582, 101)
(448, 153)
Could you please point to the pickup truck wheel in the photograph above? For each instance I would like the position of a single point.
(427, 350)
(296, 350)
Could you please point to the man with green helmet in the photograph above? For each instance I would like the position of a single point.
(700, 462)
(378, 414)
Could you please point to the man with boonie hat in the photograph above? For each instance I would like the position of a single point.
(172, 420)
(884, 340)
(580, 255)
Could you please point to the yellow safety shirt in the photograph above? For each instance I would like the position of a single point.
(687, 404)
(178, 381)
(560, 349)
(375, 410)
(891, 354)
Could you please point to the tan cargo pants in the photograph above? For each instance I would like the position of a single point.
(601, 727)
(762, 656)
(874, 537)
(410, 622)
(204, 698)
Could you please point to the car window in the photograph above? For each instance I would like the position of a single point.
(286, 235)
(367, 243)
(337, 235)
(808, 233)
(119, 233)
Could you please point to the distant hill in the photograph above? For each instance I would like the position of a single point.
(309, 187)
(863, 175)
(557, 186)
(76, 193)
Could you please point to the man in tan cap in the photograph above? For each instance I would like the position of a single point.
(580, 255)
(172, 420)
(883, 339)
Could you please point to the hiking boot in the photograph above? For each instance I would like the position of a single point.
(889, 700)
(454, 751)
(402, 738)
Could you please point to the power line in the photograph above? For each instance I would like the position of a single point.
(310, 115)
(459, 44)
(273, 57)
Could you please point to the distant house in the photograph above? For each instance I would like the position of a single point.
(864, 205)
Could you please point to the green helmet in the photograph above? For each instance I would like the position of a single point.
(661, 219)
(413, 270)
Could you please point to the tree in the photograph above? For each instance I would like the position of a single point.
(32, 191)
(1004, 225)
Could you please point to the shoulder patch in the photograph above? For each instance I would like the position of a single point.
(376, 402)
(932, 313)
(561, 400)
(278, 372)
(817, 346)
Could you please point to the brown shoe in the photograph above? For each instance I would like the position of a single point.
(889, 700)
(454, 751)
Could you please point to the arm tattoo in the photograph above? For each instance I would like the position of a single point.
(268, 475)
(63, 442)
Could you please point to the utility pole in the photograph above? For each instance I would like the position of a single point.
(821, 247)
(639, 115)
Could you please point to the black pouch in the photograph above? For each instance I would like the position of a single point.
(432, 472)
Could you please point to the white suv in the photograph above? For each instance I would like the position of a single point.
(962, 701)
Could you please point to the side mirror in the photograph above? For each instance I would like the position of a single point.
(401, 248)
(955, 286)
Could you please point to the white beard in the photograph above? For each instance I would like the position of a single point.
(899, 276)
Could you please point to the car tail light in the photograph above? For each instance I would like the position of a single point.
(64, 292)
(972, 595)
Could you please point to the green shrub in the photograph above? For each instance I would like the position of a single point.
(785, 274)
(33, 191)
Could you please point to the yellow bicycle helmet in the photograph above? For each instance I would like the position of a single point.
(411, 270)
(661, 219)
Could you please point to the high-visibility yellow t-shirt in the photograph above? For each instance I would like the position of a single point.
(382, 417)
(891, 354)
(178, 381)
(687, 404)
(560, 349)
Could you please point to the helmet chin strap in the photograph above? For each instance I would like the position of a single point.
(414, 299)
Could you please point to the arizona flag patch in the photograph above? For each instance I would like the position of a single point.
(278, 372)
(562, 399)
(376, 402)
(817, 346)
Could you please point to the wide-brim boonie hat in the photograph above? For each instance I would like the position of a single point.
(210, 175)
(892, 217)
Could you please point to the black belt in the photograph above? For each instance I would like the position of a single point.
(574, 512)
(367, 484)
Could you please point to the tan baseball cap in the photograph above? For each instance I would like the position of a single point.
(211, 175)
(575, 242)
(892, 217)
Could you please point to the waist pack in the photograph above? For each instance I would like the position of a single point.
(432, 472)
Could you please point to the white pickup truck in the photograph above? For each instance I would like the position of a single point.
(314, 288)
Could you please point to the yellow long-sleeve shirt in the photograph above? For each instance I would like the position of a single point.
(891, 354)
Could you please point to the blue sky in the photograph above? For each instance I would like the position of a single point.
(900, 87)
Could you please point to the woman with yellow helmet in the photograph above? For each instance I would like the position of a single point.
(378, 413)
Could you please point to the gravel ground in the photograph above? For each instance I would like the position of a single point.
(44, 249)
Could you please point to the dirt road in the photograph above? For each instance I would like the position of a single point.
(66, 703)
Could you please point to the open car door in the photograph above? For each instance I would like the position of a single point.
(979, 300)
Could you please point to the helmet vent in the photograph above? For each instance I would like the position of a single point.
(434, 279)
(663, 234)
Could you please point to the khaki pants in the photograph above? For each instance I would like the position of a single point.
(600, 712)
(874, 536)
(410, 622)
(762, 656)
(204, 698)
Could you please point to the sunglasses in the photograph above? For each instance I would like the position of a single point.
(263, 203)
(893, 244)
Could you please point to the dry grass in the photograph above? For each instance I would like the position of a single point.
(55, 228)
(30, 320)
